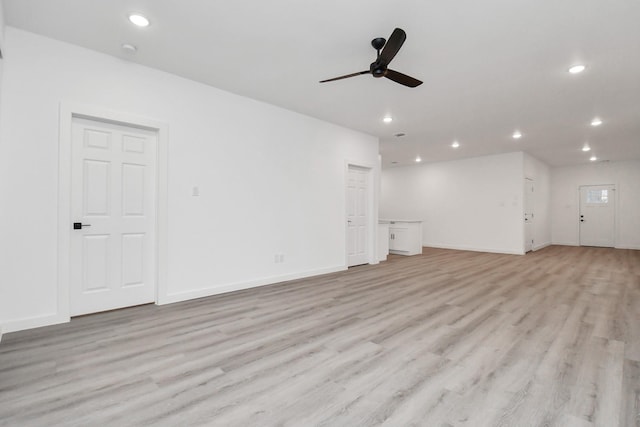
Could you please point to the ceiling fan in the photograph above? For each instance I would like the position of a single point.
(387, 50)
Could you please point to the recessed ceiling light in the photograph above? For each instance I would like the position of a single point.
(129, 48)
(517, 135)
(387, 119)
(586, 148)
(593, 158)
(578, 68)
(596, 122)
(455, 144)
(139, 20)
(418, 159)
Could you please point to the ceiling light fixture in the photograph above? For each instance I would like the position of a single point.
(586, 148)
(129, 48)
(387, 119)
(596, 122)
(593, 158)
(418, 159)
(139, 20)
(455, 144)
(517, 135)
(576, 69)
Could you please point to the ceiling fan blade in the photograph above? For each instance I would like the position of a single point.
(346, 76)
(403, 79)
(392, 46)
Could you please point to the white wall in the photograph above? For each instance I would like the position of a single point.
(270, 180)
(540, 173)
(1, 24)
(565, 200)
(2, 292)
(472, 204)
(1, 43)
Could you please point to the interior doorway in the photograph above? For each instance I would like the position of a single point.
(112, 210)
(358, 215)
(113, 206)
(529, 189)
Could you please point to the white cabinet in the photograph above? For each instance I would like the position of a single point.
(405, 237)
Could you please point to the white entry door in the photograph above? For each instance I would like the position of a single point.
(528, 214)
(357, 216)
(113, 206)
(597, 215)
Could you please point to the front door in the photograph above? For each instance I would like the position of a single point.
(597, 215)
(357, 216)
(113, 206)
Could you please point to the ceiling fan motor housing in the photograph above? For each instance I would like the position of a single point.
(377, 70)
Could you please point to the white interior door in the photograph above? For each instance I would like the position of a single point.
(113, 206)
(357, 216)
(528, 214)
(597, 215)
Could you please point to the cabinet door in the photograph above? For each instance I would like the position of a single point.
(399, 239)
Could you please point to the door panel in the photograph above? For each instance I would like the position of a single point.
(133, 259)
(597, 215)
(96, 187)
(95, 262)
(113, 196)
(94, 138)
(133, 189)
(133, 144)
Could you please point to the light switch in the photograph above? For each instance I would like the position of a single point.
(195, 191)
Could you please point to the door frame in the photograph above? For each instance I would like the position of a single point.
(69, 111)
(615, 210)
(372, 235)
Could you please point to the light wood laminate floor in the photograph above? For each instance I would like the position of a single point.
(447, 338)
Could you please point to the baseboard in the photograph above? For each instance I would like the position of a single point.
(474, 249)
(542, 246)
(238, 286)
(34, 322)
(566, 243)
(632, 247)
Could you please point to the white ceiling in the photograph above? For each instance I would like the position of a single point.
(489, 67)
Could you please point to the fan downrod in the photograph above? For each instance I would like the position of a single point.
(376, 69)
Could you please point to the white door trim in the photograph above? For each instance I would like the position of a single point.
(67, 112)
(373, 209)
